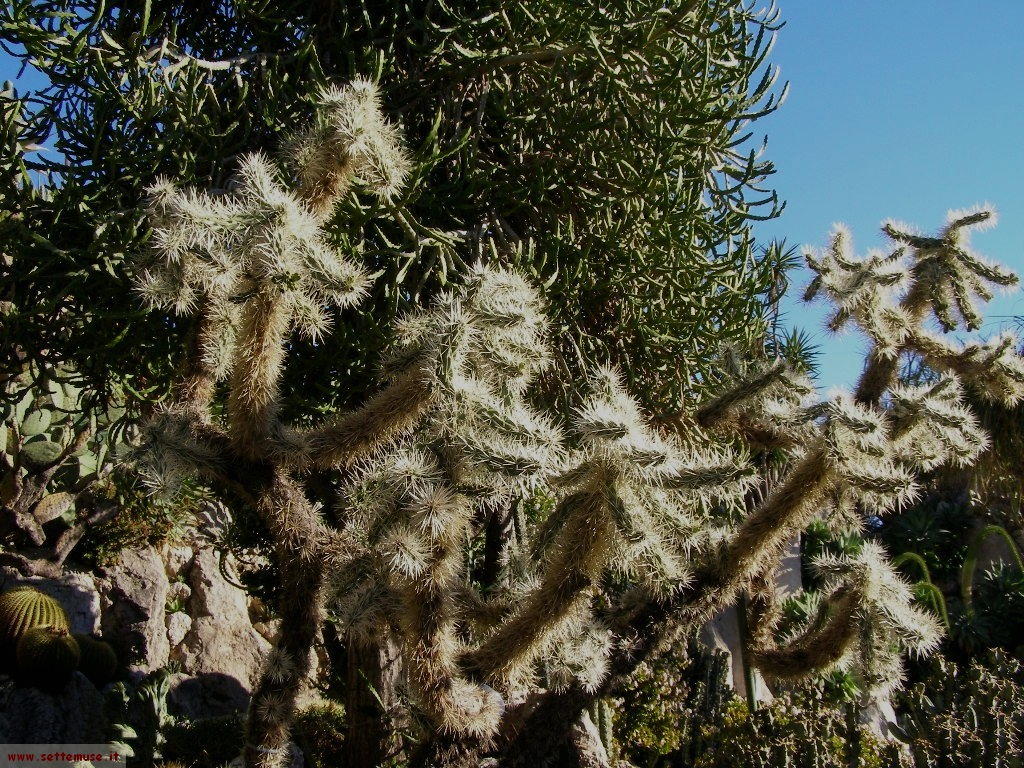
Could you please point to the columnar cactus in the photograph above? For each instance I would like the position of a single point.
(649, 532)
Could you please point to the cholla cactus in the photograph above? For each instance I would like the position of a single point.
(253, 264)
(650, 532)
(850, 456)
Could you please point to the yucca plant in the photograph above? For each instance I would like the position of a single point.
(648, 533)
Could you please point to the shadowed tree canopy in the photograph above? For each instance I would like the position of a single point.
(604, 151)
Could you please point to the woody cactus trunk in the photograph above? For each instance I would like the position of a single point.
(624, 534)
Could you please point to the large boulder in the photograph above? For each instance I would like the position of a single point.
(221, 654)
(73, 715)
(134, 600)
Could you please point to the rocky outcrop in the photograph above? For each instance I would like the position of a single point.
(155, 606)
(133, 599)
(73, 715)
(221, 651)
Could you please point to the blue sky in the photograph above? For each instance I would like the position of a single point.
(902, 109)
(897, 108)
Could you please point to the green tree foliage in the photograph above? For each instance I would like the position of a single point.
(603, 150)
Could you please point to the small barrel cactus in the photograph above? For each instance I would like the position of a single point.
(21, 609)
(98, 660)
(47, 656)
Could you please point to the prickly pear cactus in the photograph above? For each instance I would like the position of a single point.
(47, 657)
(98, 661)
(22, 609)
(55, 441)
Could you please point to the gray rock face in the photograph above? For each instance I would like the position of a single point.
(71, 716)
(177, 558)
(178, 625)
(76, 591)
(134, 597)
(221, 651)
(586, 742)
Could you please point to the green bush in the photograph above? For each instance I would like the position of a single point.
(966, 716)
(320, 731)
(205, 743)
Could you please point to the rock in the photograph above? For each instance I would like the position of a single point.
(134, 592)
(221, 651)
(586, 743)
(178, 625)
(723, 634)
(76, 591)
(877, 715)
(268, 629)
(72, 716)
(179, 591)
(177, 559)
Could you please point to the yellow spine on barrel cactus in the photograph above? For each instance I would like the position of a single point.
(21, 609)
(47, 656)
(98, 661)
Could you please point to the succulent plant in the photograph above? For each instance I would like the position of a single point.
(22, 609)
(47, 656)
(55, 443)
(98, 662)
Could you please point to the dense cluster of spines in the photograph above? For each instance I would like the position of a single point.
(683, 521)
(874, 446)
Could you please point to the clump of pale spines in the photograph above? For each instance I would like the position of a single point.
(256, 259)
(864, 620)
(993, 368)
(889, 623)
(634, 505)
(949, 274)
(932, 425)
(859, 288)
(349, 142)
(169, 452)
(757, 402)
(478, 347)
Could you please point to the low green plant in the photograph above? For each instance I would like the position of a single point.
(21, 609)
(47, 656)
(320, 732)
(797, 730)
(965, 716)
(206, 742)
(98, 659)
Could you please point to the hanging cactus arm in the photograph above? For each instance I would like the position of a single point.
(578, 558)
(387, 415)
(713, 412)
(822, 644)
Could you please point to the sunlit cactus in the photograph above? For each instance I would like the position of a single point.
(649, 530)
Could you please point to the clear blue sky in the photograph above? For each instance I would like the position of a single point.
(902, 109)
(897, 108)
